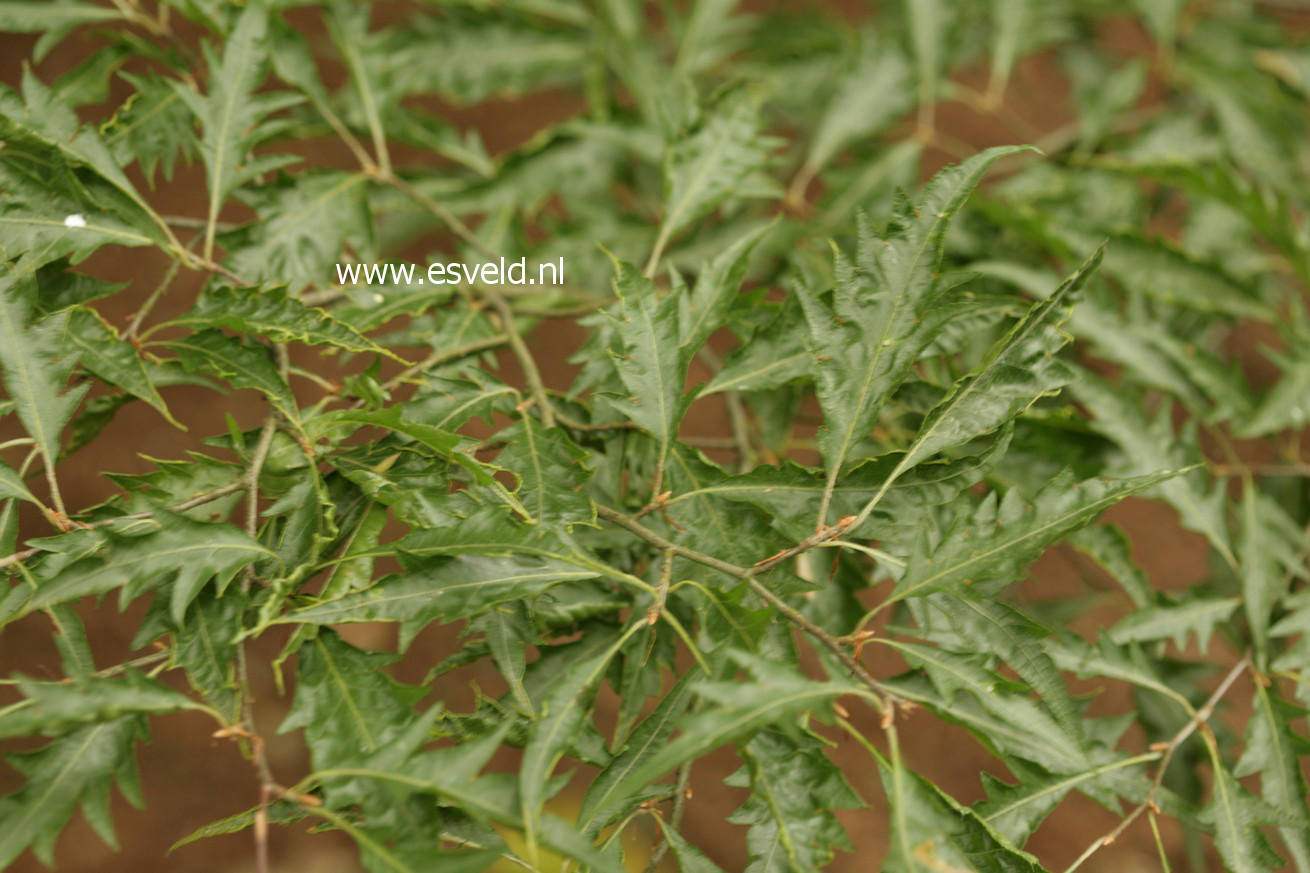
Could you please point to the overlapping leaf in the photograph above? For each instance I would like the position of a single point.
(447, 588)
(883, 312)
(75, 770)
(172, 549)
(1000, 537)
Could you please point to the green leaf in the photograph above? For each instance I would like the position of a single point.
(88, 82)
(603, 802)
(13, 487)
(1017, 810)
(441, 442)
(303, 226)
(1108, 546)
(469, 60)
(886, 308)
(551, 472)
(419, 129)
(205, 646)
(446, 588)
(168, 548)
(690, 858)
(74, 770)
(233, 118)
(49, 213)
(1010, 725)
(705, 307)
(710, 164)
(1104, 658)
(153, 127)
(355, 566)
(240, 363)
(563, 713)
(651, 360)
(274, 315)
(36, 369)
(57, 708)
(990, 626)
(507, 634)
(1017, 370)
(278, 812)
(1169, 275)
(53, 19)
(871, 94)
(774, 355)
(1175, 621)
(1154, 446)
(112, 360)
(999, 538)
(350, 709)
(1274, 751)
(738, 710)
(494, 799)
(794, 790)
(42, 116)
(1286, 405)
(70, 639)
(1267, 541)
(927, 22)
(1233, 815)
(930, 830)
(791, 494)
(1011, 22)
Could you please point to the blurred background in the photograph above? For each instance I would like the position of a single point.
(191, 779)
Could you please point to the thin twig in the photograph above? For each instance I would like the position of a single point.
(883, 695)
(737, 417)
(212, 266)
(452, 221)
(257, 459)
(657, 251)
(436, 359)
(1201, 716)
(186, 222)
(169, 275)
(258, 751)
(108, 672)
(662, 591)
(675, 818)
(593, 426)
(574, 311)
(252, 487)
(529, 364)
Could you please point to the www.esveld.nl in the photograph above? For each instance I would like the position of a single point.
(488, 273)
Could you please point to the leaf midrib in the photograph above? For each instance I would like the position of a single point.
(1095, 506)
(897, 302)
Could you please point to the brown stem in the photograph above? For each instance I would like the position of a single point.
(740, 421)
(251, 486)
(135, 325)
(883, 695)
(258, 749)
(521, 351)
(675, 819)
(574, 424)
(1200, 717)
(662, 591)
(448, 218)
(453, 354)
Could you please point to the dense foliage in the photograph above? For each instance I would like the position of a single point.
(916, 406)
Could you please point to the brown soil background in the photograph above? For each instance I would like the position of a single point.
(190, 779)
